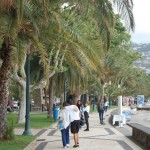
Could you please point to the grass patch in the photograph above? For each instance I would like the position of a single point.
(19, 142)
(36, 120)
(113, 106)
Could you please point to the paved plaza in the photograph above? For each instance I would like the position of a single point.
(104, 137)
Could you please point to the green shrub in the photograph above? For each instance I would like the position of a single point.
(10, 131)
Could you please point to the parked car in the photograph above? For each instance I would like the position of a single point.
(10, 109)
(10, 106)
(15, 105)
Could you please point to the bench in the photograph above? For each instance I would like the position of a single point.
(36, 108)
(143, 108)
(141, 133)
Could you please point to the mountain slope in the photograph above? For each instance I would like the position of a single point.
(144, 49)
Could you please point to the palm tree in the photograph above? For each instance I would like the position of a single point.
(9, 25)
(106, 23)
(103, 9)
(17, 23)
(102, 25)
(20, 20)
(74, 26)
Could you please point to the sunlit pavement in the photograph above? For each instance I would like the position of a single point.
(105, 137)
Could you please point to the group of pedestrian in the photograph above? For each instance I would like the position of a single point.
(102, 107)
(75, 116)
(70, 117)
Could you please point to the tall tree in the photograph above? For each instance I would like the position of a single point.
(16, 23)
(9, 25)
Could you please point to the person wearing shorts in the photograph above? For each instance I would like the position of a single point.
(75, 121)
(75, 125)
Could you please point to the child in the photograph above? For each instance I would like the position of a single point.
(63, 125)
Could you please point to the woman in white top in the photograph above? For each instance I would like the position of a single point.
(86, 115)
(75, 121)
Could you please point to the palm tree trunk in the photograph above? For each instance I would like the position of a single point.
(5, 55)
(103, 90)
(22, 91)
(22, 107)
(61, 98)
(51, 94)
(77, 97)
(46, 100)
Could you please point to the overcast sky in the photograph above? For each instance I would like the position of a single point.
(142, 21)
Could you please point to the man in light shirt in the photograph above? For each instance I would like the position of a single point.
(75, 121)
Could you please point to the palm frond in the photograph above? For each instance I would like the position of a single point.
(19, 52)
(29, 11)
(125, 8)
(43, 55)
(7, 4)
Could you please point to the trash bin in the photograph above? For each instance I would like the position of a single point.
(56, 112)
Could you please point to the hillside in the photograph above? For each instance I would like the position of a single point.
(144, 49)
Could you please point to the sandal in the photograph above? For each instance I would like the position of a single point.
(75, 146)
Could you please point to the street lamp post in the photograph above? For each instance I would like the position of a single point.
(27, 117)
(120, 110)
(103, 89)
(120, 106)
(109, 93)
(94, 100)
(85, 99)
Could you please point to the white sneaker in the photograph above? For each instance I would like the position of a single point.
(67, 145)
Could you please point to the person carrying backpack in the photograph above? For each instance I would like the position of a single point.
(100, 107)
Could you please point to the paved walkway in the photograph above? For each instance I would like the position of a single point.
(104, 137)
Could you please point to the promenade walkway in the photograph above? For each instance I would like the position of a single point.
(100, 137)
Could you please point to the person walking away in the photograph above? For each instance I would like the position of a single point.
(75, 121)
(106, 104)
(63, 125)
(86, 114)
(101, 110)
